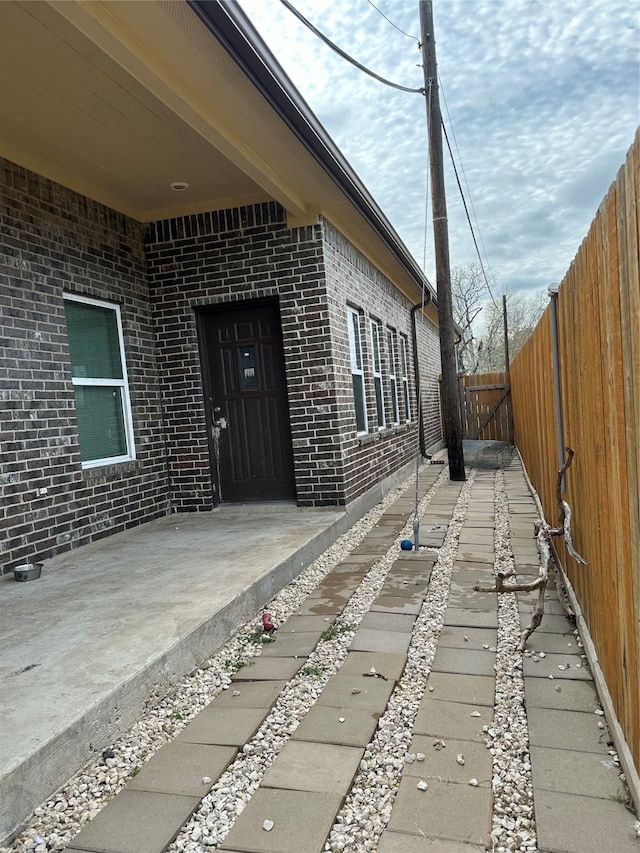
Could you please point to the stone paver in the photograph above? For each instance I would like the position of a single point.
(268, 669)
(250, 694)
(301, 822)
(461, 637)
(452, 719)
(342, 726)
(471, 618)
(400, 842)
(565, 730)
(396, 604)
(388, 621)
(563, 694)
(568, 823)
(442, 763)
(372, 640)
(298, 644)
(372, 693)
(551, 663)
(179, 768)
(584, 773)
(469, 689)
(223, 726)
(444, 811)
(461, 660)
(307, 766)
(387, 664)
(135, 822)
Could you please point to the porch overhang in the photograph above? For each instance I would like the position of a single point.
(118, 101)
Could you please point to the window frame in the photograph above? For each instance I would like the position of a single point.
(393, 376)
(375, 327)
(122, 384)
(357, 367)
(404, 376)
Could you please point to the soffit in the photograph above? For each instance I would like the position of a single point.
(116, 100)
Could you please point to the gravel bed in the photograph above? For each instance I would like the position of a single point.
(56, 821)
(368, 806)
(513, 821)
(215, 817)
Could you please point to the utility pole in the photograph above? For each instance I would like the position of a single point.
(450, 400)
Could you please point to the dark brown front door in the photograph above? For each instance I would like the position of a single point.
(247, 411)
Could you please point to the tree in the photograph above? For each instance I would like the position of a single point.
(524, 309)
(478, 314)
(468, 292)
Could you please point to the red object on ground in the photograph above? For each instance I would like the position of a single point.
(267, 624)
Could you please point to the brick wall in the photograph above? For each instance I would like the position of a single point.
(232, 256)
(353, 281)
(53, 240)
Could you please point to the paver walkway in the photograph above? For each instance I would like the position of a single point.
(575, 783)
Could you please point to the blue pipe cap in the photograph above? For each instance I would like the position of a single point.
(406, 545)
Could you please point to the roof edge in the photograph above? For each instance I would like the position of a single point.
(227, 21)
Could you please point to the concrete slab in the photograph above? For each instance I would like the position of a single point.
(302, 821)
(471, 618)
(553, 622)
(179, 768)
(372, 693)
(298, 644)
(573, 730)
(326, 606)
(341, 583)
(372, 640)
(388, 621)
(400, 842)
(305, 623)
(396, 604)
(568, 823)
(560, 644)
(401, 589)
(342, 726)
(306, 766)
(589, 774)
(96, 672)
(223, 726)
(464, 661)
(562, 694)
(444, 811)
(135, 822)
(573, 668)
(478, 553)
(441, 763)
(252, 694)
(461, 637)
(268, 669)
(468, 689)
(452, 720)
(390, 665)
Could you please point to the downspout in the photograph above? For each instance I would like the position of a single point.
(416, 368)
(553, 293)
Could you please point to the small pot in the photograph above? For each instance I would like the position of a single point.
(27, 571)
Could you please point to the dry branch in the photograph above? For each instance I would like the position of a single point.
(543, 534)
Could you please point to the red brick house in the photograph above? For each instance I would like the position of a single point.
(199, 300)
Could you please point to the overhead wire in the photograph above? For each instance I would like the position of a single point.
(345, 55)
(482, 267)
(408, 35)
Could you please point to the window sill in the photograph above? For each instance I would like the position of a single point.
(115, 469)
(382, 434)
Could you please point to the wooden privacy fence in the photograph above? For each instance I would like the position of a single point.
(485, 404)
(598, 331)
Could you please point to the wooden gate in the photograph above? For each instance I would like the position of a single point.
(485, 404)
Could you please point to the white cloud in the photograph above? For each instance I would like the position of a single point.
(543, 100)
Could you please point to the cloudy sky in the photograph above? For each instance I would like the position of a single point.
(541, 97)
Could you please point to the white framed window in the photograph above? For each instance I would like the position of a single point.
(101, 389)
(404, 377)
(357, 369)
(393, 380)
(376, 360)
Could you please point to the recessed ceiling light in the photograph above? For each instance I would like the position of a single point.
(179, 186)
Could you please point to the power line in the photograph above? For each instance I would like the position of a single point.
(346, 56)
(466, 210)
(463, 197)
(408, 35)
